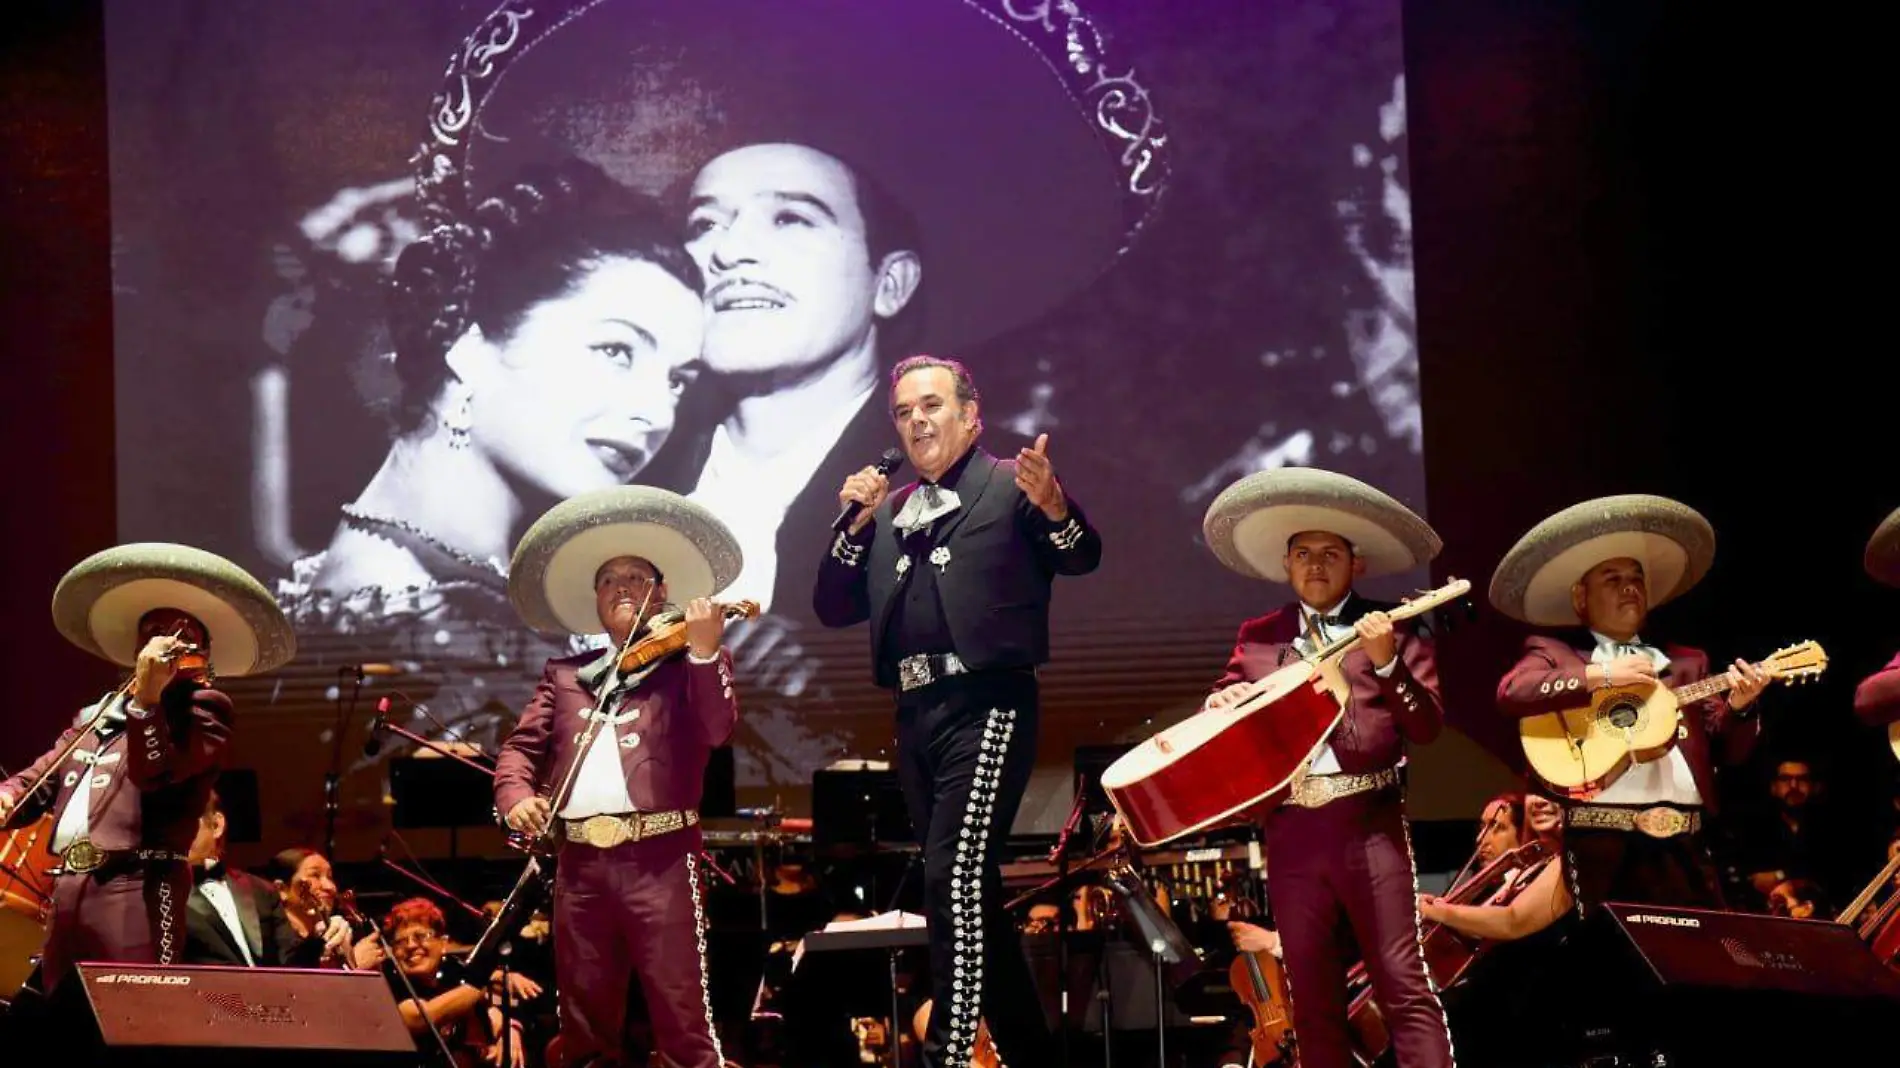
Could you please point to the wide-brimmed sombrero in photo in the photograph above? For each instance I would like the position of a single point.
(1028, 157)
(1672, 541)
(98, 605)
(1249, 524)
(551, 578)
(1882, 559)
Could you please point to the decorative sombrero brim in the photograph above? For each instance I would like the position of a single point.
(1026, 167)
(99, 603)
(1883, 551)
(1248, 525)
(1672, 541)
(551, 578)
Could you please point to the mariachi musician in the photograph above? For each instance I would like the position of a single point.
(1877, 698)
(1597, 568)
(629, 895)
(127, 783)
(1339, 853)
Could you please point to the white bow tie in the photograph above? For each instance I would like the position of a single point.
(925, 504)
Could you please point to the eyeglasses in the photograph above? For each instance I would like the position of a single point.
(423, 939)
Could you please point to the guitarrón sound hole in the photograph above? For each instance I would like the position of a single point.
(1623, 714)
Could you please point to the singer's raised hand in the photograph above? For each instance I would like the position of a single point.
(1036, 477)
(868, 488)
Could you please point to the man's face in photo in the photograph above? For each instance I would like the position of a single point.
(780, 233)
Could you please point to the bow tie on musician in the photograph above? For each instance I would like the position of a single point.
(1627, 732)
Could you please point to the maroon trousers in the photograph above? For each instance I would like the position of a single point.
(132, 915)
(636, 910)
(1343, 887)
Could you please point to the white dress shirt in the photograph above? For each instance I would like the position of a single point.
(76, 821)
(1667, 780)
(1325, 762)
(600, 787)
(752, 493)
(218, 893)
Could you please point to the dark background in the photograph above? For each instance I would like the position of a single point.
(1643, 244)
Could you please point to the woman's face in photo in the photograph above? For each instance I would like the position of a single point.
(583, 393)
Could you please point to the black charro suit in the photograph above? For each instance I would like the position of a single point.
(975, 582)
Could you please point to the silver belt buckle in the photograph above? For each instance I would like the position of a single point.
(913, 671)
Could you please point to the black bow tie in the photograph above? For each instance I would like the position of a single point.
(207, 873)
(1328, 621)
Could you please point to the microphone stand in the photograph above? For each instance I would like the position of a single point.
(423, 743)
(333, 779)
(433, 888)
(1060, 854)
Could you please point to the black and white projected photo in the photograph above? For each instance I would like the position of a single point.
(421, 270)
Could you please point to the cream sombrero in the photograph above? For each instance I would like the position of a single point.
(551, 578)
(99, 603)
(1248, 525)
(1671, 540)
(1883, 551)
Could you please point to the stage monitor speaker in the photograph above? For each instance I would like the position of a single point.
(1694, 986)
(132, 1015)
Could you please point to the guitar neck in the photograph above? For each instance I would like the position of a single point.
(1690, 692)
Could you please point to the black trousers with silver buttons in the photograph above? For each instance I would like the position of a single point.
(966, 746)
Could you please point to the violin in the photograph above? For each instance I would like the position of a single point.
(1447, 952)
(665, 634)
(1260, 982)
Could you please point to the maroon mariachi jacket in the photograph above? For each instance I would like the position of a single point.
(671, 722)
(1877, 698)
(1550, 678)
(1384, 713)
(153, 777)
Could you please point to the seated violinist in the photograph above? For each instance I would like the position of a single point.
(1533, 897)
(467, 1020)
(313, 934)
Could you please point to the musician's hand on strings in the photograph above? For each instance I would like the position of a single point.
(1375, 630)
(869, 489)
(1745, 683)
(157, 666)
(1227, 696)
(1630, 669)
(530, 817)
(336, 939)
(368, 955)
(705, 628)
(1036, 477)
(1249, 938)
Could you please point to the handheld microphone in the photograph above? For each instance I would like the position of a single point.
(375, 743)
(364, 671)
(885, 465)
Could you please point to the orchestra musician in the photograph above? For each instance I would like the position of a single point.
(233, 918)
(955, 574)
(1598, 568)
(1338, 848)
(629, 899)
(1877, 698)
(127, 782)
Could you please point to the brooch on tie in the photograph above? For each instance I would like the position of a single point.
(903, 565)
(941, 557)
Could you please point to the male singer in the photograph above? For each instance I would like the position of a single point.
(954, 572)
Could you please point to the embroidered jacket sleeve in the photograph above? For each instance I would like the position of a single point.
(1069, 547)
(156, 755)
(842, 595)
(1411, 689)
(710, 693)
(526, 747)
(1538, 684)
(1733, 734)
(42, 800)
(1877, 698)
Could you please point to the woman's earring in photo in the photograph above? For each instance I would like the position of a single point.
(459, 418)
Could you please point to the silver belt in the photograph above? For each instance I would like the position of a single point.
(1312, 791)
(914, 672)
(1657, 822)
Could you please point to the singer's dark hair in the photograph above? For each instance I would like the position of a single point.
(528, 242)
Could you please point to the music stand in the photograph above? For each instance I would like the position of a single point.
(892, 939)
